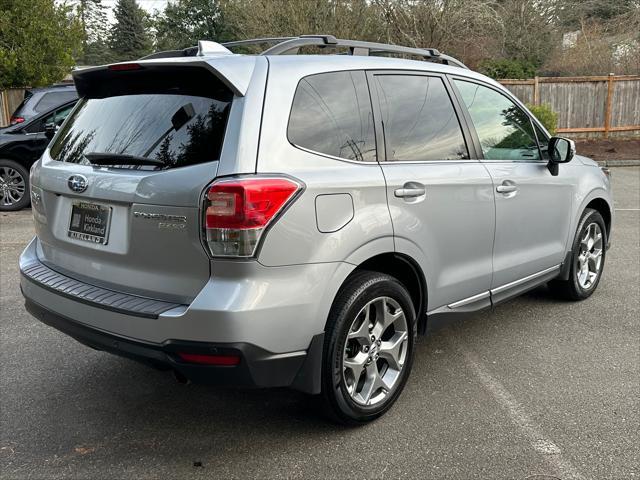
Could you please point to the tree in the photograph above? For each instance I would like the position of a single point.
(39, 40)
(93, 18)
(273, 18)
(528, 32)
(184, 22)
(128, 36)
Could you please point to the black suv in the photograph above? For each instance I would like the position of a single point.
(21, 145)
(40, 100)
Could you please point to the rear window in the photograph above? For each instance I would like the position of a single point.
(53, 99)
(331, 114)
(27, 95)
(419, 121)
(174, 126)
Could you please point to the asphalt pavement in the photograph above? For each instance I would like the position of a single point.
(535, 389)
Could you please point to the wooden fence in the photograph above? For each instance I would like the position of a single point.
(597, 106)
(9, 101)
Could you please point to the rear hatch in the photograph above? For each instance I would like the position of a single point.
(120, 188)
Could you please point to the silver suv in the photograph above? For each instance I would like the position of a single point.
(296, 220)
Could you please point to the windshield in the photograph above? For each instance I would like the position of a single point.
(177, 130)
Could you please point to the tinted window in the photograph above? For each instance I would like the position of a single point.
(59, 115)
(504, 129)
(27, 96)
(177, 129)
(53, 99)
(419, 120)
(331, 114)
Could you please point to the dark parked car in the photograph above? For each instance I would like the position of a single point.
(20, 146)
(40, 100)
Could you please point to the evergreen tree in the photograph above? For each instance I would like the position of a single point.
(93, 17)
(39, 40)
(184, 22)
(128, 37)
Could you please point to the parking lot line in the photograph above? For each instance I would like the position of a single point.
(540, 443)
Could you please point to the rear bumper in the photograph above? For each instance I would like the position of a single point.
(272, 317)
(257, 367)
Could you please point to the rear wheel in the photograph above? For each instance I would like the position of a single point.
(587, 259)
(368, 351)
(14, 186)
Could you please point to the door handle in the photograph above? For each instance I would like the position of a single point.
(508, 186)
(409, 192)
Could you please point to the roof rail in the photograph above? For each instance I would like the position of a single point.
(291, 46)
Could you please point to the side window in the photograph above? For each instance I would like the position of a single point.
(60, 115)
(331, 114)
(50, 100)
(504, 129)
(57, 117)
(419, 120)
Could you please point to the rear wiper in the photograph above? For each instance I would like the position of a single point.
(99, 158)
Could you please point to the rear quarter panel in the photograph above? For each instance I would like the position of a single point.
(296, 238)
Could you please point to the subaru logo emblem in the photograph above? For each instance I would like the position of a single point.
(77, 183)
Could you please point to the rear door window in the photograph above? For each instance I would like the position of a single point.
(331, 115)
(419, 120)
(505, 131)
(53, 99)
(177, 128)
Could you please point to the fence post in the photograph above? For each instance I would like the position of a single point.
(4, 108)
(607, 111)
(536, 91)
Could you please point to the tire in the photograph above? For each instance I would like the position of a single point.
(581, 284)
(383, 369)
(14, 186)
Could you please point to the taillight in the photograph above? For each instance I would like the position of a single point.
(238, 211)
(16, 120)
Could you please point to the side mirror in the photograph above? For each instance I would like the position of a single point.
(50, 130)
(561, 150)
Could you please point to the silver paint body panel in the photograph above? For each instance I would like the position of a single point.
(470, 242)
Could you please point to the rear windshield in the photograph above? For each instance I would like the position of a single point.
(27, 95)
(176, 129)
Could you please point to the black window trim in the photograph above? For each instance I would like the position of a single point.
(377, 115)
(507, 94)
(327, 155)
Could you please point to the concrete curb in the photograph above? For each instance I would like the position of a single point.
(619, 163)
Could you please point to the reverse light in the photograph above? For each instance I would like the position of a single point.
(204, 359)
(238, 211)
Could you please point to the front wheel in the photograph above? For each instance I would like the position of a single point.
(368, 351)
(14, 186)
(587, 259)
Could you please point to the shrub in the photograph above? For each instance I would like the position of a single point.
(546, 115)
(506, 68)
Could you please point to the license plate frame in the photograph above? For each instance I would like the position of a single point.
(96, 229)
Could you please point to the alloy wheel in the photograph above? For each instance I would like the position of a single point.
(375, 351)
(12, 186)
(590, 256)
